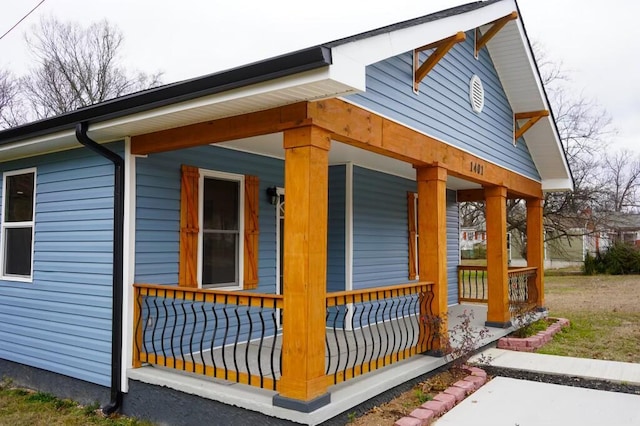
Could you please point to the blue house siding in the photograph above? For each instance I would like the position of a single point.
(62, 320)
(453, 247)
(158, 209)
(442, 108)
(380, 238)
(336, 229)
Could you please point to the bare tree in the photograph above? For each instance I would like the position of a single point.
(77, 67)
(622, 180)
(9, 100)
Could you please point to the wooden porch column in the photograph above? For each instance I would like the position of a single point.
(498, 314)
(303, 385)
(535, 245)
(432, 240)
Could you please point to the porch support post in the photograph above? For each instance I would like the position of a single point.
(498, 314)
(303, 385)
(535, 246)
(432, 241)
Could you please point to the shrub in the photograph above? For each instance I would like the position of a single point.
(590, 265)
(619, 259)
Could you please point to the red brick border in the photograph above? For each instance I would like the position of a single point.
(445, 401)
(530, 344)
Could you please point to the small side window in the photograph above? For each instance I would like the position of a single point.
(18, 214)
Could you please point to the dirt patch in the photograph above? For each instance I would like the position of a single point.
(605, 293)
(386, 414)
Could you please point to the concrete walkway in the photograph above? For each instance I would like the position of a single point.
(509, 402)
(565, 366)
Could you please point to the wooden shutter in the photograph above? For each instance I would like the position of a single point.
(188, 270)
(251, 231)
(411, 213)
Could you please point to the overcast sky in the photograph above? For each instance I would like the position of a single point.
(594, 40)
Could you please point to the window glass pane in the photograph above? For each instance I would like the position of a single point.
(19, 198)
(219, 258)
(221, 204)
(18, 251)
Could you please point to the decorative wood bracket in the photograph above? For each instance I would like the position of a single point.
(496, 26)
(442, 47)
(532, 118)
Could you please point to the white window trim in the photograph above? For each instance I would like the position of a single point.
(416, 239)
(204, 173)
(4, 225)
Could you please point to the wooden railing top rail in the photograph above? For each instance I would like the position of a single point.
(210, 295)
(484, 268)
(524, 269)
(471, 268)
(375, 293)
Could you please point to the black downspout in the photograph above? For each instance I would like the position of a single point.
(118, 249)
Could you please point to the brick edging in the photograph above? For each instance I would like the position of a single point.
(446, 400)
(530, 344)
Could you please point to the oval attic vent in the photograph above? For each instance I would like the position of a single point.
(476, 94)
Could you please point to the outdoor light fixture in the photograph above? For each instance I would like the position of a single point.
(272, 193)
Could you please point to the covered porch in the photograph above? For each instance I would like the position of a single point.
(304, 340)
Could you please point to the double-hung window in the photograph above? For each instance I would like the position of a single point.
(18, 211)
(222, 227)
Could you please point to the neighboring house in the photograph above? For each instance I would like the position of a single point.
(473, 243)
(284, 225)
(623, 227)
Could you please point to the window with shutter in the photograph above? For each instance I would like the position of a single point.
(219, 223)
(189, 229)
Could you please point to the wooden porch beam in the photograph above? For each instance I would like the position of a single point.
(532, 118)
(496, 26)
(498, 314)
(470, 195)
(358, 127)
(442, 47)
(432, 250)
(305, 267)
(535, 245)
(222, 130)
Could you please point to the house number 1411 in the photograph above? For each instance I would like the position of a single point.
(477, 168)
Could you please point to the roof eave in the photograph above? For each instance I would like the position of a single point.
(262, 71)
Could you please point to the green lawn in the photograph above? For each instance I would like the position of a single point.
(605, 317)
(19, 407)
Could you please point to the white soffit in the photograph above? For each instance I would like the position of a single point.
(516, 67)
(310, 85)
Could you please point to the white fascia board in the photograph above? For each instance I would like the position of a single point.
(557, 185)
(376, 48)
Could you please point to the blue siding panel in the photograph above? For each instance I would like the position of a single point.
(62, 320)
(158, 209)
(453, 247)
(442, 108)
(380, 238)
(336, 229)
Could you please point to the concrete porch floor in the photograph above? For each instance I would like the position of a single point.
(344, 396)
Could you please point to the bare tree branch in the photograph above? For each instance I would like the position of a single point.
(77, 67)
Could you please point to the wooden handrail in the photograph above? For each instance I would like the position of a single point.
(471, 268)
(241, 298)
(375, 293)
(523, 269)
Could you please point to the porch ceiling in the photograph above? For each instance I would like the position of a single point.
(340, 153)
